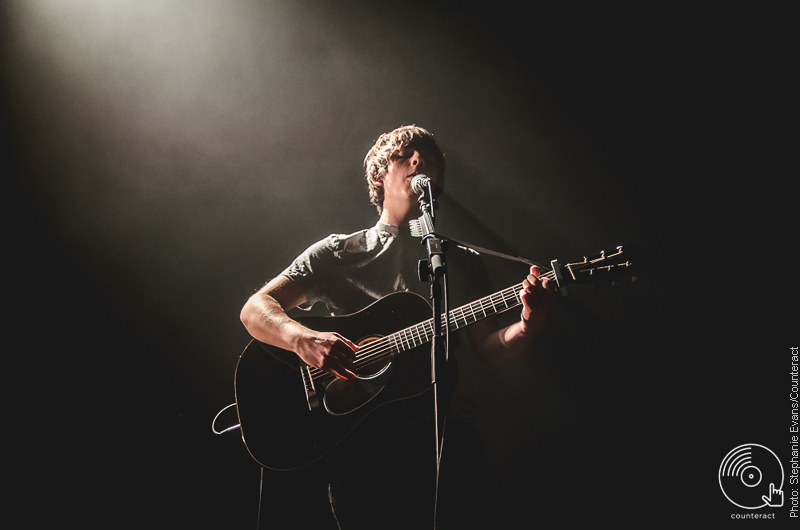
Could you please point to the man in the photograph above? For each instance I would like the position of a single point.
(346, 273)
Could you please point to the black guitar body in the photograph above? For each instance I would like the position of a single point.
(282, 430)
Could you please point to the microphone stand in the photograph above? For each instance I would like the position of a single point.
(435, 270)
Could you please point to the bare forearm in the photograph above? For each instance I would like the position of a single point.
(504, 344)
(264, 316)
(266, 321)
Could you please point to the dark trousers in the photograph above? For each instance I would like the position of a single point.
(384, 477)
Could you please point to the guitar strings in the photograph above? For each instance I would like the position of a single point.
(409, 337)
(385, 347)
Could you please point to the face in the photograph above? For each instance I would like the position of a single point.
(404, 165)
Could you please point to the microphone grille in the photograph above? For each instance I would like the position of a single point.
(419, 184)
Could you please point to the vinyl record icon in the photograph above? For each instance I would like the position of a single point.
(749, 473)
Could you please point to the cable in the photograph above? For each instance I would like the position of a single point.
(214, 422)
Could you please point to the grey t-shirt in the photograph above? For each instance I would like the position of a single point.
(349, 272)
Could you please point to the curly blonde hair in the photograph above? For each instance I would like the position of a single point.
(377, 160)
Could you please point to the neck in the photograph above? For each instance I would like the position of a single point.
(398, 218)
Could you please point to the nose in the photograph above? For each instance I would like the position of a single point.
(417, 160)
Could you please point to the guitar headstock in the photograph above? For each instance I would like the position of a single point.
(605, 266)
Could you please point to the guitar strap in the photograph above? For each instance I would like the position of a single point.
(481, 250)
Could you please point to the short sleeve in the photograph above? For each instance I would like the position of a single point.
(311, 268)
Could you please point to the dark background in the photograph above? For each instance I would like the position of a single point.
(166, 158)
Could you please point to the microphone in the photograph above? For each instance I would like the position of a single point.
(419, 184)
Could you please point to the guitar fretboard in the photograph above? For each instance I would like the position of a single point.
(458, 318)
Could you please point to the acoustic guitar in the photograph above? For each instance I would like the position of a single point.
(292, 414)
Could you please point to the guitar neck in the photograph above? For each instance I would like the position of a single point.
(458, 318)
(589, 270)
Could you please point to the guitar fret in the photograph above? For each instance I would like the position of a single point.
(417, 335)
(473, 314)
(426, 334)
(517, 299)
(500, 302)
(492, 302)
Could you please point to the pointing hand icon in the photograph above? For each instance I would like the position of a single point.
(775, 497)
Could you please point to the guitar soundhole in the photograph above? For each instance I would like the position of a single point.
(370, 362)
